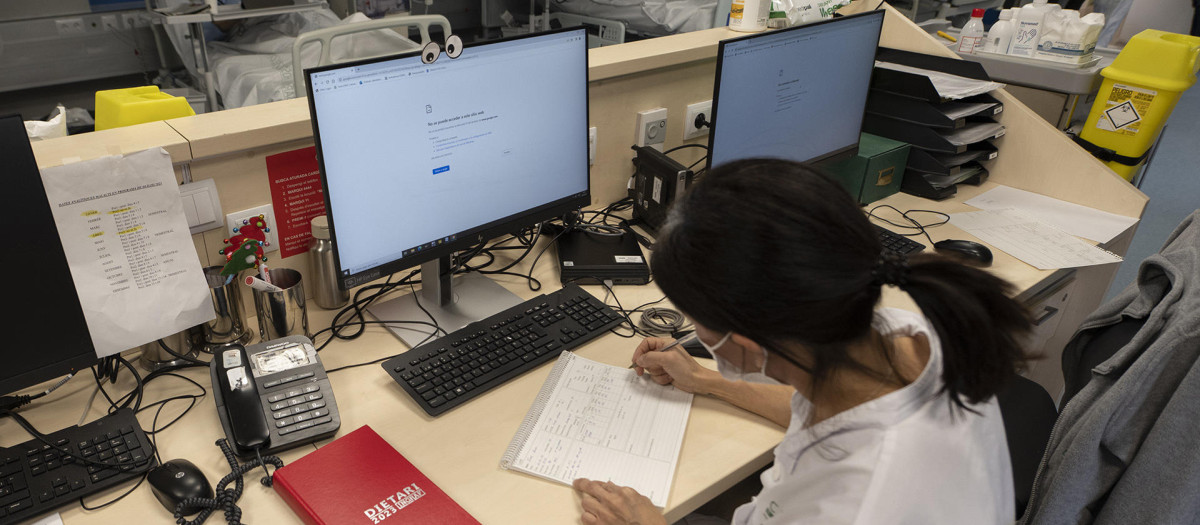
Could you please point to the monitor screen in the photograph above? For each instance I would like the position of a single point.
(419, 160)
(796, 93)
(47, 335)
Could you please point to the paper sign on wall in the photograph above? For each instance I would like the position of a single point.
(297, 196)
(131, 255)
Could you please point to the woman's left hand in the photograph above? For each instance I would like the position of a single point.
(607, 503)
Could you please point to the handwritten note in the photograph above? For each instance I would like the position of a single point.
(603, 422)
(1029, 240)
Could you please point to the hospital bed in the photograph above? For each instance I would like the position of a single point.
(262, 59)
(650, 18)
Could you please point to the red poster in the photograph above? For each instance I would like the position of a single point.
(297, 197)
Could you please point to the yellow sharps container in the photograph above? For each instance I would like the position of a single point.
(125, 107)
(1139, 91)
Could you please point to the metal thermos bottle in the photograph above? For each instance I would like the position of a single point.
(320, 253)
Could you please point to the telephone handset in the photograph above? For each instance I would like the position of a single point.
(273, 396)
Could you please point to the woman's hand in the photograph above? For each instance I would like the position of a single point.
(609, 504)
(673, 367)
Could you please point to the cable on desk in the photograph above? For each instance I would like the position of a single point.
(913, 223)
(226, 499)
(661, 321)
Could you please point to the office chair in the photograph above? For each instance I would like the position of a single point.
(1077, 363)
(1029, 414)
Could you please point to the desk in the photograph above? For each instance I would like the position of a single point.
(461, 450)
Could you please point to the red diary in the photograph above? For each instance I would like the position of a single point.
(360, 479)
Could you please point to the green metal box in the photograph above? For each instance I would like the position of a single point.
(875, 172)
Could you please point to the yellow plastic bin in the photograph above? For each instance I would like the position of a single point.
(1139, 91)
(125, 107)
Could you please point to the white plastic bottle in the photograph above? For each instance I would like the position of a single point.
(971, 38)
(749, 15)
(1027, 22)
(999, 37)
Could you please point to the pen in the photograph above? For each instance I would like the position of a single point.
(264, 272)
(678, 342)
(261, 285)
(947, 36)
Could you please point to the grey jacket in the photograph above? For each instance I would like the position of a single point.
(1126, 448)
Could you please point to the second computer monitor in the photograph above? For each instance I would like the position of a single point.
(796, 93)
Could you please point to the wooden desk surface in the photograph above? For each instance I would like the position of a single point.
(460, 450)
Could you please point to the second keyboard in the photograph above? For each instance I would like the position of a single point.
(467, 362)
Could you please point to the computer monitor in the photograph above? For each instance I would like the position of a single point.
(797, 93)
(47, 335)
(422, 160)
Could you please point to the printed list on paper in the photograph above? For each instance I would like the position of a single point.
(127, 242)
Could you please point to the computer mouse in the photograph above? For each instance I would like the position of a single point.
(178, 480)
(970, 250)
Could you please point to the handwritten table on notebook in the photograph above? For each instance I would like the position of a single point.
(603, 422)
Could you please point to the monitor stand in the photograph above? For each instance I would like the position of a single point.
(452, 303)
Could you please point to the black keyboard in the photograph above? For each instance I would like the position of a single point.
(457, 367)
(36, 478)
(897, 243)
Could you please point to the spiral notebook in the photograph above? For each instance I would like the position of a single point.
(602, 422)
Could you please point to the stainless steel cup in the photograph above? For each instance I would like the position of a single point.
(230, 324)
(285, 312)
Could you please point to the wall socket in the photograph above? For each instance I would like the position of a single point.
(690, 129)
(234, 220)
(651, 129)
(110, 23)
(69, 26)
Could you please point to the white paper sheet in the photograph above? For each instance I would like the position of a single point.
(948, 86)
(53, 519)
(1029, 240)
(127, 242)
(1081, 221)
(605, 423)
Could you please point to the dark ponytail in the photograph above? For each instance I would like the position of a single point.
(781, 254)
(979, 324)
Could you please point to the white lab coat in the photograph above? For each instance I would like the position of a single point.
(904, 458)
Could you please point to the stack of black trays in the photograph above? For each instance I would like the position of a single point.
(951, 139)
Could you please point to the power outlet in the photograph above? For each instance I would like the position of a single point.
(69, 26)
(110, 23)
(235, 220)
(696, 113)
(131, 20)
(651, 129)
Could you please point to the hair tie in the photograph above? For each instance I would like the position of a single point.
(891, 268)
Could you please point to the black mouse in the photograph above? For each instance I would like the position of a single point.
(967, 249)
(178, 480)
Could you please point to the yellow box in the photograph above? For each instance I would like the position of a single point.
(1139, 91)
(125, 107)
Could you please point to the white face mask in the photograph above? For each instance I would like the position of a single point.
(733, 373)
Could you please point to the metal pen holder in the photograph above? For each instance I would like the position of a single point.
(284, 312)
(173, 350)
(230, 324)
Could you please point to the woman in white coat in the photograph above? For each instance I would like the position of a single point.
(891, 416)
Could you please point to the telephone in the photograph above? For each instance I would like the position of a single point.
(273, 396)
